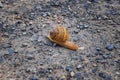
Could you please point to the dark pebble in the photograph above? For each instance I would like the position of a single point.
(105, 56)
(98, 48)
(101, 74)
(110, 47)
(1, 25)
(48, 43)
(96, 53)
(110, 56)
(45, 14)
(100, 53)
(30, 57)
(6, 45)
(78, 76)
(42, 72)
(111, 12)
(68, 68)
(84, 26)
(86, 5)
(94, 70)
(50, 70)
(56, 3)
(92, 0)
(37, 7)
(34, 78)
(51, 78)
(102, 61)
(1, 59)
(16, 51)
(90, 55)
(76, 31)
(14, 64)
(10, 50)
(108, 77)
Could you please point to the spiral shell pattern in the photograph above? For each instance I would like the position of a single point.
(59, 34)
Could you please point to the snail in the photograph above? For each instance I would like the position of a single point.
(60, 36)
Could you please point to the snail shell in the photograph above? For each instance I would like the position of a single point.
(59, 35)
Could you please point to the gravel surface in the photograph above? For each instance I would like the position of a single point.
(26, 53)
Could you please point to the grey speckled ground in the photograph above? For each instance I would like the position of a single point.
(26, 53)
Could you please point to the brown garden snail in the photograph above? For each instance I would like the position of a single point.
(60, 35)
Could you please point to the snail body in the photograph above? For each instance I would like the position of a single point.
(60, 35)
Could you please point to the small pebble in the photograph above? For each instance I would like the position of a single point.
(110, 47)
(86, 26)
(1, 5)
(36, 37)
(11, 79)
(31, 69)
(68, 68)
(42, 72)
(94, 64)
(23, 28)
(34, 78)
(30, 56)
(108, 77)
(100, 53)
(81, 58)
(76, 31)
(98, 48)
(51, 78)
(118, 73)
(16, 51)
(10, 50)
(86, 5)
(50, 70)
(77, 38)
(96, 53)
(93, 0)
(62, 78)
(1, 25)
(105, 56)
(24, 33)
(94, 70)
(1, 59)
(6, 45)
(79, 67)
(72, 74)
(78, 76)
(24, 45)
(6, 34)
(111, 12)
(45, 14)
(101, 74)
(83, 26)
